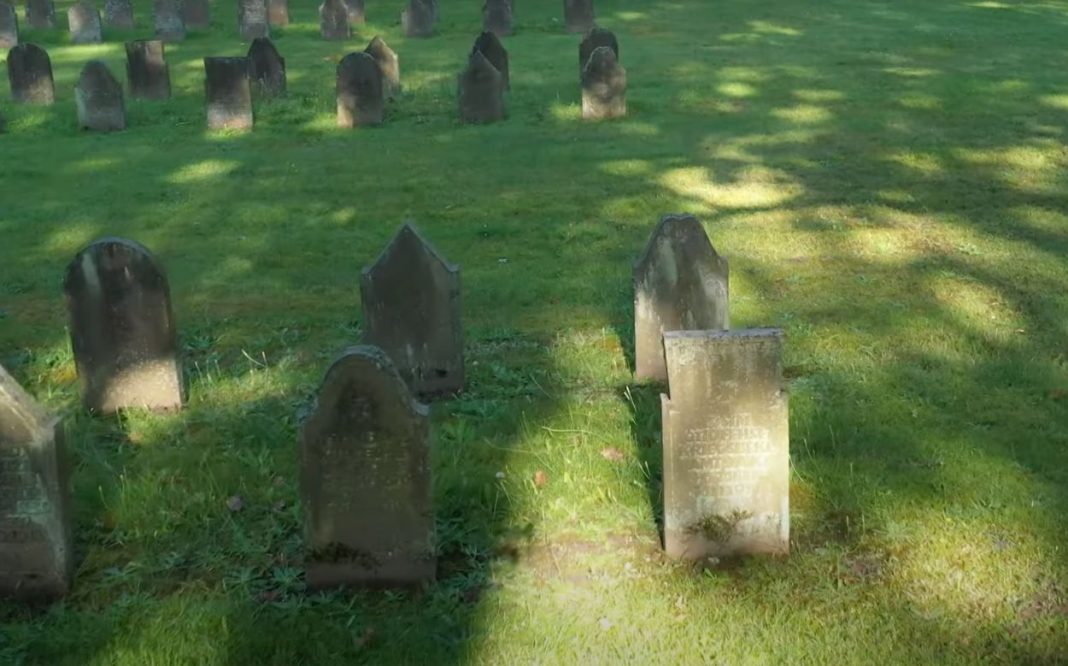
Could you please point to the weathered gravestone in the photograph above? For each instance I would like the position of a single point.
(357, 12)
(489, 45)
(196, 14)
(388, 64)
(119, 14)
(9, 26)
(98, 98)
(680, 284)
(604, 86)
(35, 543)
(365, 478)
(29, 71)
(578, 15)
(266, 68)
(84, 22)
(419, 18)
(726, 445)
(411, 309)
(594, 39)
(169, 20)
(228, 94)
(497, 17)
(481, 91)
(278, 13)
(3, 124)
(121, 327)
(41, 14)
(359, 91)
(334, 20)
(146, 69)
(252, 19)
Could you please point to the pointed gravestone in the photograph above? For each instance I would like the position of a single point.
(41, 14)
(121, 328)
(35, 543)
(169, 20)
(29, 71)
(489, 45)
(334, 20)
(357, 12)
(680, 284)
(9, 26)
(228, 93)
(360, 99)
(481, 91)
(419, 18)
(594, 39)
(578, 15)
(726, 445)
(604, 86)
(196, 14)
(266, 68)
(119, 14)
(98, 98)
(497, 17)
(411, 309)
(252, 19)
(365, 478)
(388, 64)
(278, 13)
(146, 70)
(84, 22)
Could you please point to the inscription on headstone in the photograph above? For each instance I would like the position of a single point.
(84, 22)
(170, 21)
(360, 100)
(98, 98)
(357, 12)
(278, 13)
(41, 14)
(266, 68)
(334, 20)
(228, 94)
(419, 18)
(497, 17)
(29, 71)
(388, 64)
(196, 14)
(9, 26)
(594, 39)
(490, 46)
(481, 91)
(252, 19)
(604, 86)
(146, 69)
(578, 15)
(119, 14)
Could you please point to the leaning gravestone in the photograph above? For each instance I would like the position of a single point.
(680, 284)
(489, 45)
(578, 15)
(497, 17)
(726, 445)
(146, 70)
(9, 26)
(29, 71)
(419, 18)
(98, 98)
(35, 544)
(365, 478)
(119, 14)
(84, 22)
(196, 14)
(604, 86)
(357, 12)
(360, 99)
(481, 91)
(278, 13)
(594, 39)
(41, 14)
(121, 327)
(228, 94)
(266, 68)
(252, 19)
(334, 20)
(388, 64)
(170, 20)
(411, 309)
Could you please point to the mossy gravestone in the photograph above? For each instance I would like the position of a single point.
(196, 14)
(41, 14)
(489, 45)
(680, 284)
(578, 15)
(411, 309)
(83, 20)
(267, 68)
(146, 69)
(35, 544)
(604, 86)
(98, 98)
(122, 330)
(365, 478)
(497, 17)
(9, 26)
(360, 99)
(419, 18)
(480, 91)
(726, 445)
(334, 20)
(594, 39)
(169, 19)
(252, 19)
(119, 14)
(228, 93)
(29, 71)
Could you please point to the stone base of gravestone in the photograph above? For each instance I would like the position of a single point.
(594, 39)
(360, 98)
(98, 98)
(388, 64)
(169, 20)
(252, 19)
(146, 70)
(228, 93)
(578, 15)
(266, 68)
(9, 26)
(196, 14)
(41, 14)
(278, 13)
(334, 20)
(604, 86)
(84, 21)
(489, 45)
(481, 91)
(29, 71)
(497, 17)
(119, 14)
(419, 18)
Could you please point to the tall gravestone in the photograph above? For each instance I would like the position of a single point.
(252, 19)
(481, 91)
(680, 284)
(267, 68)
(726, 445)
(489, 45)
(41, 14)
(84, 22)
(578, 15)
(228, 93)
(357, 11)
(9, 26)
(169, 20)
(365, 478)
(419, 18)
(196, 14)
(98, 98)
(119, 14)
(360, 99)
(278, 13)
(29, 71)
(121, 327)
(35, 542)
(594, 39)
(334, 20)
(146, 69)
(411, 309)
(604, 86)
(388, 64)
(497, 17)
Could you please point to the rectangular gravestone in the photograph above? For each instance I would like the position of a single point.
(119, 14)
(578, 15)
(170, 20)
(35, 543)
(252, 19)
(228, 93)
(83, 19)
(278, 13)
(41, 14)
(197, 14)
(9, 26)
(146, 69)
(726, 445)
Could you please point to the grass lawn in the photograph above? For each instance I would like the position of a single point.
(888, 182)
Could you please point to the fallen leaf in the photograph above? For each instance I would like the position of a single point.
(540, 478)
(235, 503)
(613, 454)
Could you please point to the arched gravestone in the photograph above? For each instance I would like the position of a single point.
(41, 14)
(146, 69)
(121, 327)
(252, 19)
(278, 13)
(595, 38)
(266, 68)
(481, 91)
(419, 18)
(334, 20)
(84, 22)
(411, 309)
(35, 544)
(119, 14)
(98, 97)
(604, 86)
(360, 100)
(388, 64)
(196, 14)
(9, 26)
(228, 94)
(680, 284)
(29, 71)
(497, 17)
(357, 11)
(365, 478)
(726, 445)
(578, 15)
(490, 46)
(169, 20)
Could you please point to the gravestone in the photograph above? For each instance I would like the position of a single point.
(3, 124)
(35, 542)
(266, 68)
(481, 91)
(594, 39)
(726, 445)
(490, 46)
(98, 98)
(29, 71)
(9, 26)
(121, 327)
(119, 14)
(252, 19)
(419, 18)
(334, 20)
(41, 14)
(228, 94)
(146, 70)
(84, 22)
(357, 11)
(497, 17)
(278, 13)
(578, 15)
(411, 310)
(169, 20)
(680, 284)
(196, 14)
(360, 99)
(604, 86)
(388, 64)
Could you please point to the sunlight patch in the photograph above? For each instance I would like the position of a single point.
(921, 162)
(204, 170)
(736, 89)
(769, 28)
(626, 167)
(752, 192)
(803, 114)
(1055, 101)
(819, 96)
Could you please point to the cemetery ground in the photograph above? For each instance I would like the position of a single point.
(888, 182)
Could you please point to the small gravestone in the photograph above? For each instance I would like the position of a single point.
(489, 45)
(334, 20)
(3, 124)
(98, 98)
(497, 17)
(9, 26)
(228, 94)
(481, 91)
(266, 68)
(169, 20)
(84, 21)
(357, 11)
(388, 64)
(726, 445)
(411, 309)
(680, 284)
(578, 15)
(594, 39)
(278, 13)
(29, 71)
(196, 14)
(419, 18)
(604, 86)
(35, 543)
(41, 14)
(146, 70)
(252, 19)
(360, 99)
(365, 478)
(119, 14)
(121, 327)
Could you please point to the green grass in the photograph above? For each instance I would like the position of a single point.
(888, 181)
